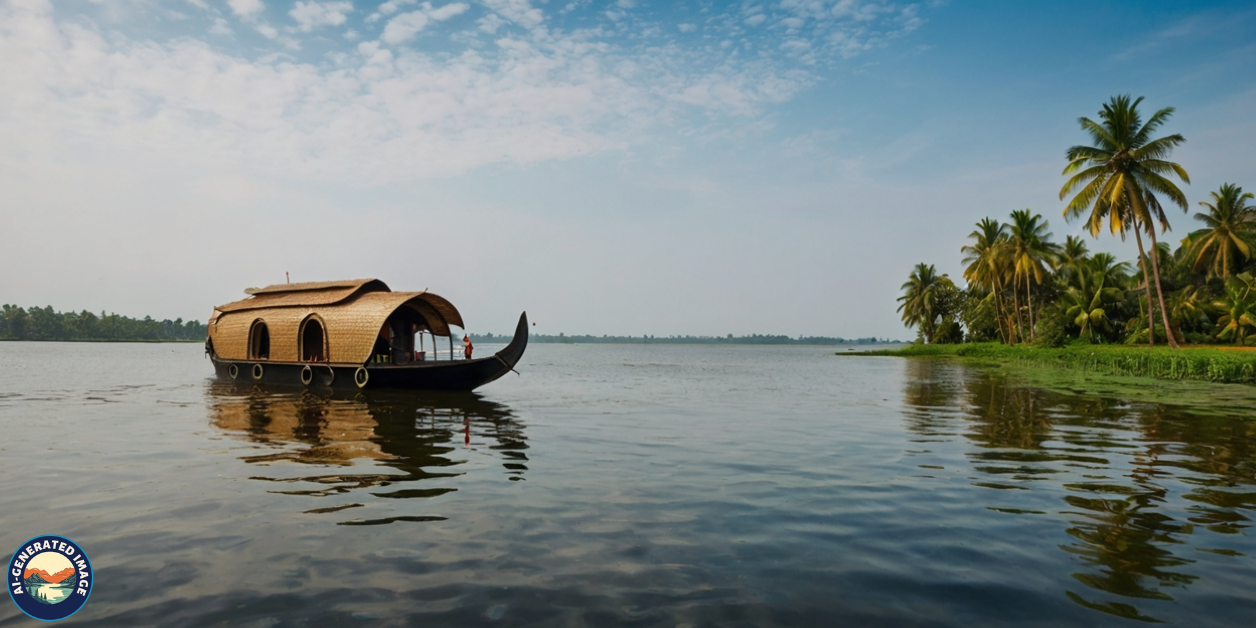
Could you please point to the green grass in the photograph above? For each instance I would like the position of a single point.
(1212, 364)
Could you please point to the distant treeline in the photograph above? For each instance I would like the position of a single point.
(755, 339)
(46, 324)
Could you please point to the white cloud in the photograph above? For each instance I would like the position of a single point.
(392, 6)
(687, 28)
(756, 19)
(850, 43)
(381, 114)
(450, 10)
(389, 118)
(375, 55)
(490, 23)
(311, 15)
(220, 27)
(796, 46)
(520, 12)
(246, 9)
(405, 26)
(847, 28)
(910, 19)
(388, 8)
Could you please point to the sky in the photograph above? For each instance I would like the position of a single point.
(628, 167)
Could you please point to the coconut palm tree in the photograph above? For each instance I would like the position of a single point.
(1230, 228)
(1105, 267)
(920, 299)
(1074, 255)
(1188, 306)
(1238, 307)
(1163, 260)
(984, 264)
(1118, 178)
(1097, 290)
(1030, 253)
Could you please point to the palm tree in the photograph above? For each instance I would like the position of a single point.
(1228, 234)
(1030, 251)
(1188, 306)
(1097, 289)
(1074, 255)
(1118, 178)
(1238, 307)
(920, 299)
(984, 265)
(1162, 259)
(1104, 267)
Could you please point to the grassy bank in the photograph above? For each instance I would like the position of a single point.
(1213, 364)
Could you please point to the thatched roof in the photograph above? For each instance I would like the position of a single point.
(312, 285)
(303, 294)
(352, 314)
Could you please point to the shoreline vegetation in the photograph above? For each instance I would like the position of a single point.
(1029, 300)
(46, 324)
(1230, 365)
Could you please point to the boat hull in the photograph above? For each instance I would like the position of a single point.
(432, 375)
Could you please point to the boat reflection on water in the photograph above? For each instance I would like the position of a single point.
(1147, 487)
(391, 444)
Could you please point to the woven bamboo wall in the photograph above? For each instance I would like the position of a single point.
(230, 335)
(285, 324)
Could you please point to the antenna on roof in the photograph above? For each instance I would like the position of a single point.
(286, 279)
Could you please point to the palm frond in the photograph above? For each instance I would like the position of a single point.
(1154, 122)
(1166, 187)
(1084, 197)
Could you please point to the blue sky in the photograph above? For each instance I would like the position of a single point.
(612, 167)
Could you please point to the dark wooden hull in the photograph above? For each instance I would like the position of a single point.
(433, 375)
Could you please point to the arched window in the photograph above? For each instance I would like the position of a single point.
(259, 341)
(313, 341)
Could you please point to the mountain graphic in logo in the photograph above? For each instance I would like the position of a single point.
(50, 577)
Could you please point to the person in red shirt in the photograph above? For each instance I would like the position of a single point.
(466, 341)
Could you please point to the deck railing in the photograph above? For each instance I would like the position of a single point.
(440, 355)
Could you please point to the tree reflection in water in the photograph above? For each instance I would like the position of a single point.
(410, 435)
(1114, 459)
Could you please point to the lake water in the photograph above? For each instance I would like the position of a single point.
(49, 593)
(643, 485)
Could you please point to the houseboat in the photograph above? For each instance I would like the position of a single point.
(349, 334)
